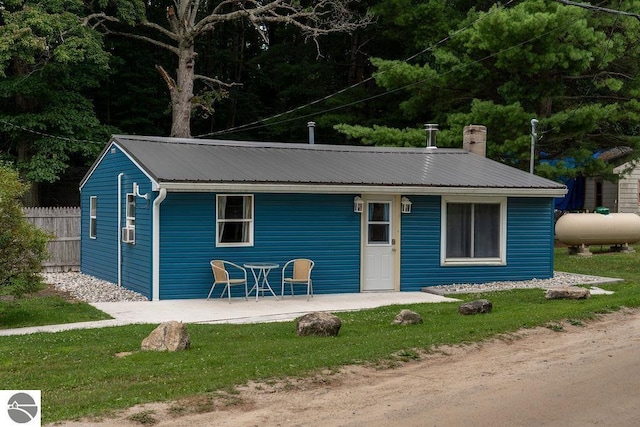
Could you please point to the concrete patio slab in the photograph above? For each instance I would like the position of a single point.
(239, 311)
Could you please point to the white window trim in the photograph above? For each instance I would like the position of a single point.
(501, 260)
(251, 222)
(130, 219)
(93, 217)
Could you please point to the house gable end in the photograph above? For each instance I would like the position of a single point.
(109, 150)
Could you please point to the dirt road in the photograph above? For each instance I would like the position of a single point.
(583, 375)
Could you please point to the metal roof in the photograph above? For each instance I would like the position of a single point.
(192, 164)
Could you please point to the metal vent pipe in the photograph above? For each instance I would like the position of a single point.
(431, 129)
(312, 137)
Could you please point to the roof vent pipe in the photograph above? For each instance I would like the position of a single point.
(312, 137)
(431, 129)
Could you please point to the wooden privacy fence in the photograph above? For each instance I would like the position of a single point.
(64, 224)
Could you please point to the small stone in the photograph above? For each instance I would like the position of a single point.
(572, 292)
(407, 317)
(479, 306)
(319, 324)
(169, 336)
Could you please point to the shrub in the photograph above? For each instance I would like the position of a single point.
(22, 245)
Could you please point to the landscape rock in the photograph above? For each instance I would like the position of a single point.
(319, 324)
(407, 317)
(169, 336)
(476, 307)
(572, 292)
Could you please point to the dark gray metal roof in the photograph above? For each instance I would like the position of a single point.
(173, 160)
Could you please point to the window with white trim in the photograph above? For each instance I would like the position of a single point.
(131, 210)
(234, 220)
(93, 217)
(473, 231)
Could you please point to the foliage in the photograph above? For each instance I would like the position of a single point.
(575, 71)
(69, 78)
(22, 245)
(383, 135)
(49, 63)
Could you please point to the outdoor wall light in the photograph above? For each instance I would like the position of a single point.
(358, 204)
(405, 205)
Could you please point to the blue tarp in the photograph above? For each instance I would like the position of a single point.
(574, 199)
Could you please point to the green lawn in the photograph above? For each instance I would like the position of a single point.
(46, 310)
(79, 373)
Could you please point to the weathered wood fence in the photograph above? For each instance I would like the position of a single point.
(64, 224)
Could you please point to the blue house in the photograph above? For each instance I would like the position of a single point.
(156, 210)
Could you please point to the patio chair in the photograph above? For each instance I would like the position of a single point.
(221, 276)
(301, 275)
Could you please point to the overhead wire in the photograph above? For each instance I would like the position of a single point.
(269, 121)
(47, 135)
(593, 80)
(260, 123)
(266, 122)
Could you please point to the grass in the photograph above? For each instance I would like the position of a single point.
(80, 375)
(46, 310)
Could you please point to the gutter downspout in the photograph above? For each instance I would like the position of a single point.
(155, 249)
(118, 231)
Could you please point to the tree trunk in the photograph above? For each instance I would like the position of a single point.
(182, 93)
(31, 197)
(24, 106)
(356, 61)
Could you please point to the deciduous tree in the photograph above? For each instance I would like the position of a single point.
(189, 20)
(48, 62)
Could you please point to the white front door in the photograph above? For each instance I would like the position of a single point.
(378, 245)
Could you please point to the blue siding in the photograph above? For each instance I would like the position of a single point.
(529, 252)
(99, 257)
(320, 227)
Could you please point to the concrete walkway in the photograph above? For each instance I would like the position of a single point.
(266, 309)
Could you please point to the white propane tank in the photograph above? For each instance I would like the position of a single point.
(597, 229)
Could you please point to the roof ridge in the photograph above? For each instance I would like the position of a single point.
(289, 145)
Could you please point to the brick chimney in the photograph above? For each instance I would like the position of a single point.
(474, 139)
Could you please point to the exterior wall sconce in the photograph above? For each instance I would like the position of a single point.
(358, 204)
(405, 205)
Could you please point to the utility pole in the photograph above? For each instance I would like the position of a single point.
(534, 137)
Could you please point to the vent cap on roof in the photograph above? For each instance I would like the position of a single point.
(312, 136)
(431, 129)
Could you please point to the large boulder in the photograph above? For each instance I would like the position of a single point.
(571, 292)
(318, 324)
(169, 336)
(479, 306)
(407, 317)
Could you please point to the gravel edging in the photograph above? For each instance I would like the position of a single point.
(559, 280)
(90, 289)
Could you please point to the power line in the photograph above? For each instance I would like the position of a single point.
(581, 103)
(260, 123)
(46, 135)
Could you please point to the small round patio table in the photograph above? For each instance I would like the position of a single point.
(260, 271)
